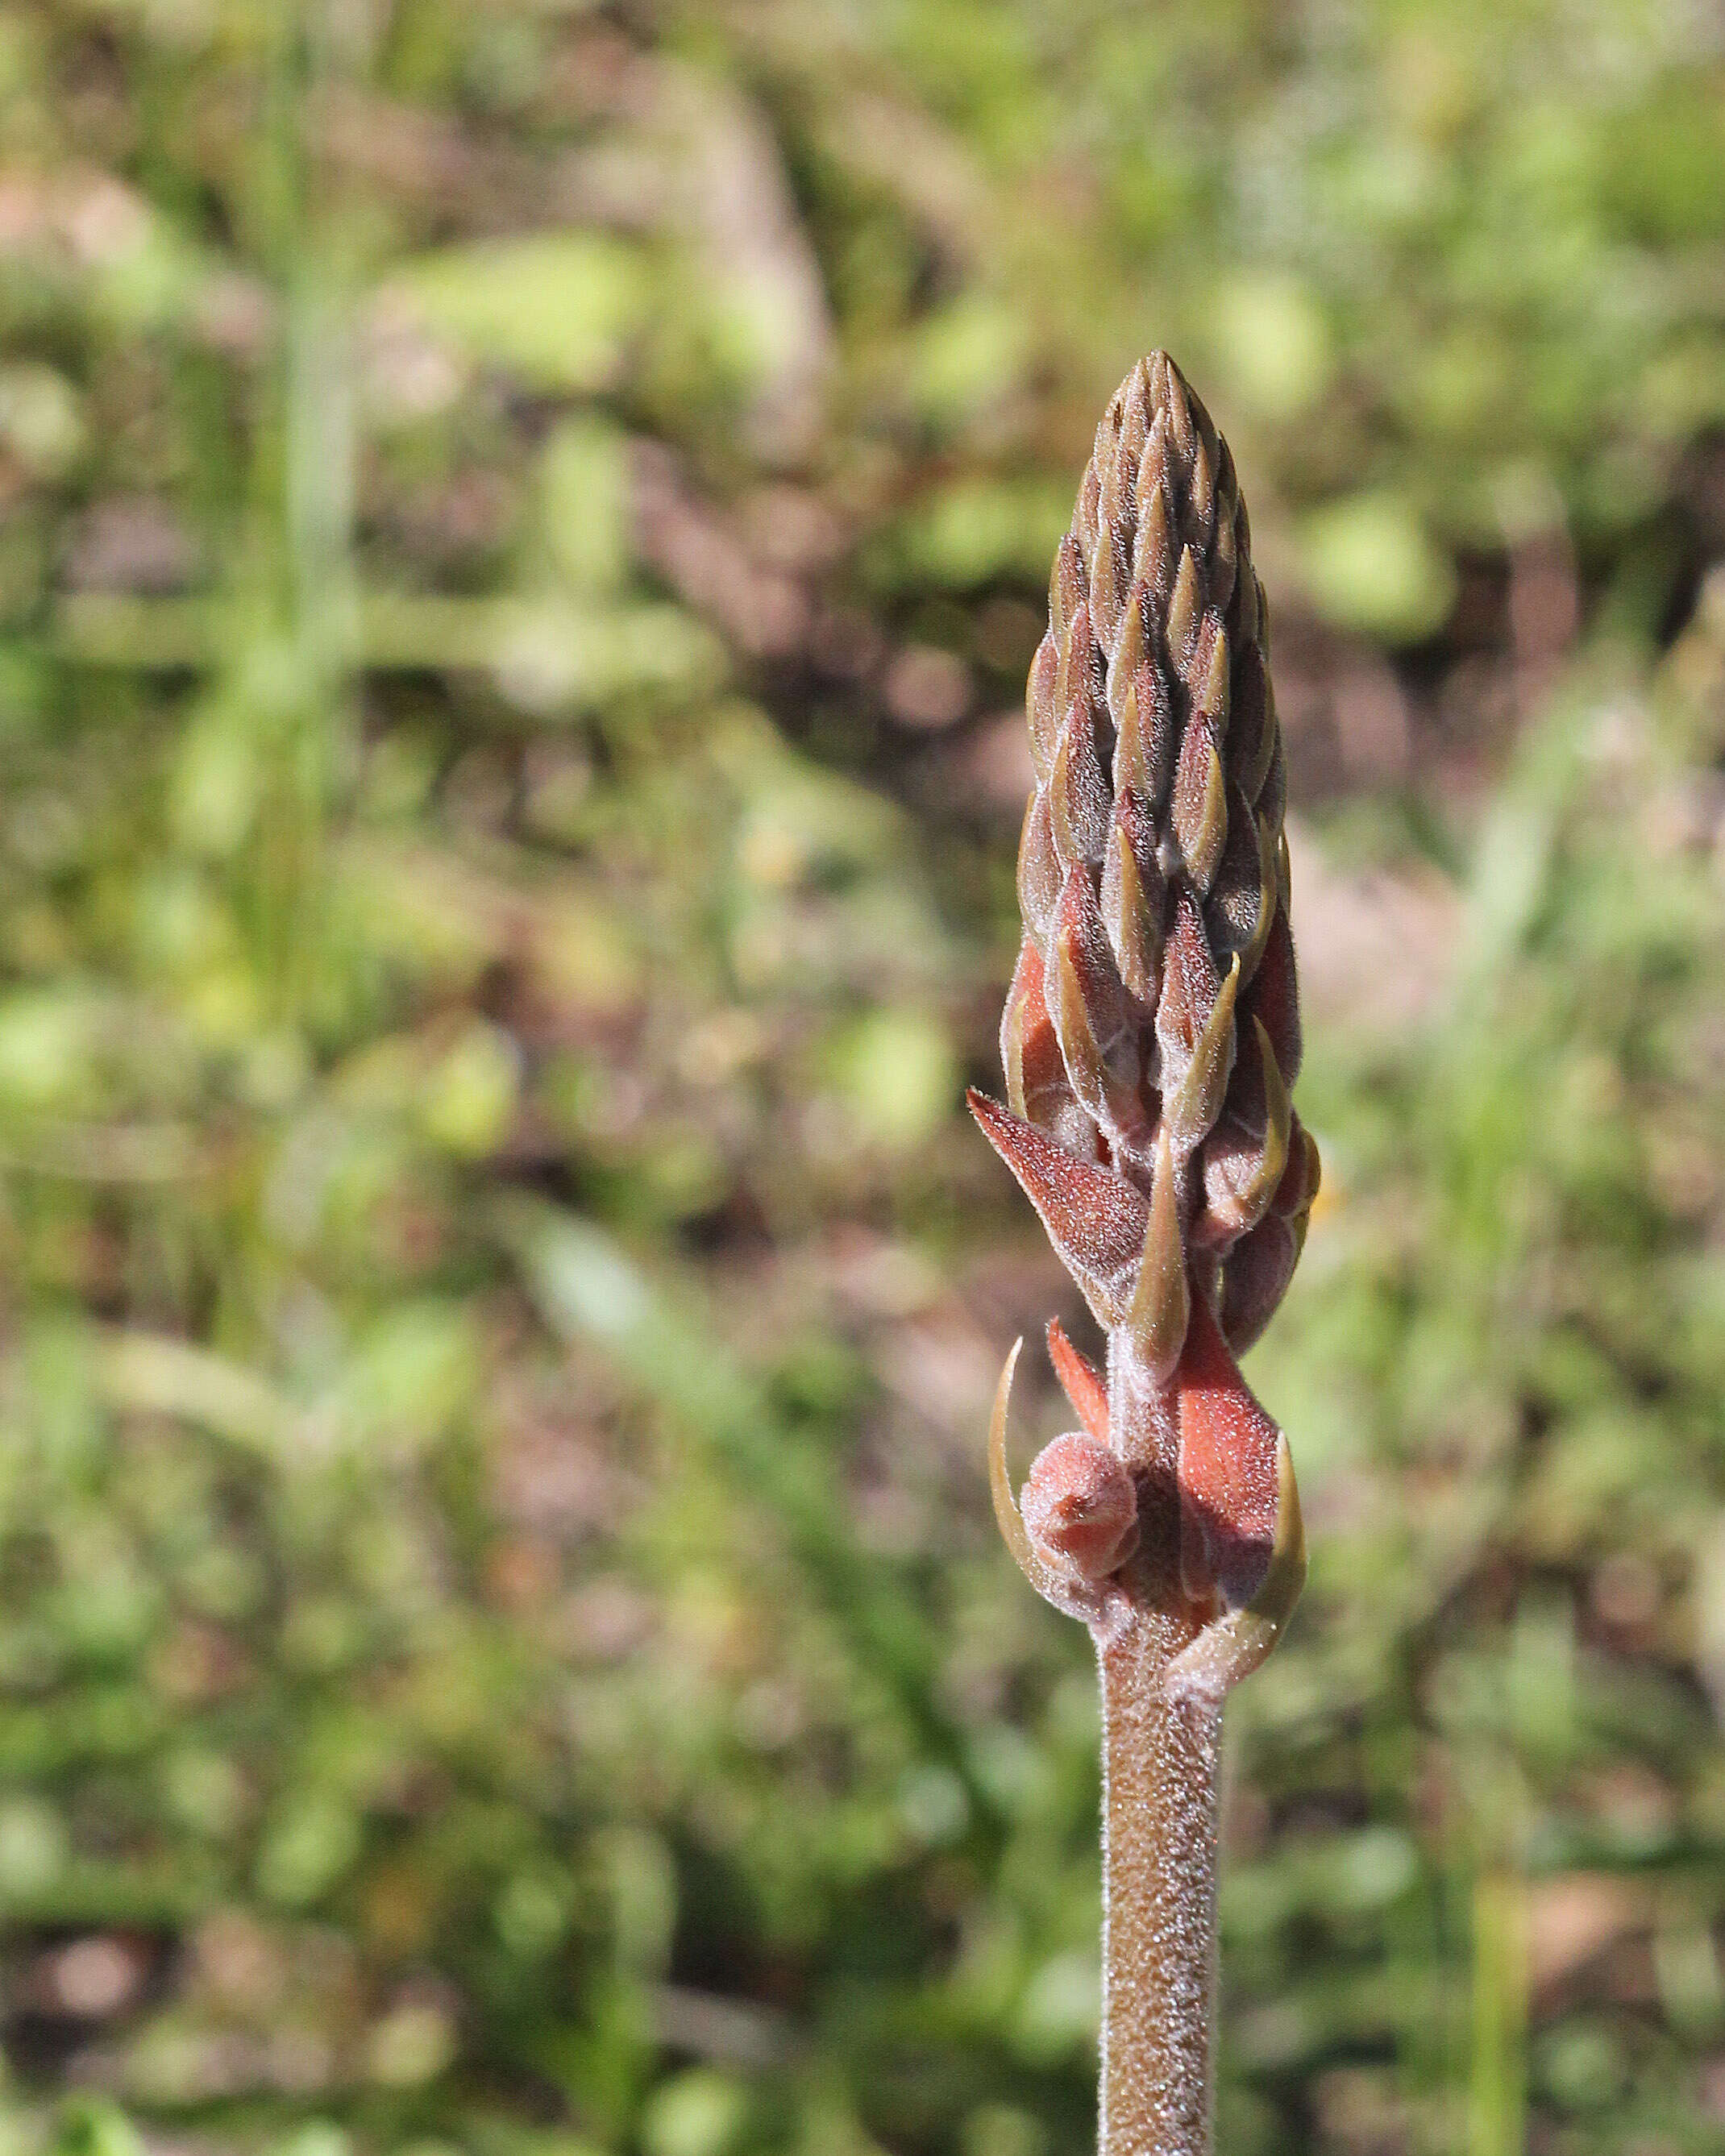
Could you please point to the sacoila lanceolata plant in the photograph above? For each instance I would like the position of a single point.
(1151, 1041)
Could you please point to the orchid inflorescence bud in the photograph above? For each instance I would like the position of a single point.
(1150, 1037)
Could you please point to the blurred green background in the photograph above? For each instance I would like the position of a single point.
(521, 528)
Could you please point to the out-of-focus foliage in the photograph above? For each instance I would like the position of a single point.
(520, 528)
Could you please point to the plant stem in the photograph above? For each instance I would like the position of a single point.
(1160, 1761)
(1498, 2092)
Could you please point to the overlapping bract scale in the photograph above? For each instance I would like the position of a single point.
(1153, 1029)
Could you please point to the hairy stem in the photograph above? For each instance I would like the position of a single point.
(1160, 1761)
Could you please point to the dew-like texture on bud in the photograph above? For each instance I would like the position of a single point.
(1153, 1026)
(1081, 1510)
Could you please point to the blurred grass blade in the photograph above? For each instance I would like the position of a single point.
(145, 1374)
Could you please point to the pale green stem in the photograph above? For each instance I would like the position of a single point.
(1497, 2104)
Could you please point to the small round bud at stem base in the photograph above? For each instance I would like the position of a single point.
(1079, 1507)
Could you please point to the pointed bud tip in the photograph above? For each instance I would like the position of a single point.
(1080, 1380)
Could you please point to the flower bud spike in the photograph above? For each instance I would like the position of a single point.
(1039, 876)
(1200, 805)
(1246, 624)
(1144, 742)
(1067, 589)
(1078, 790)
(1162, 1300)
(1189, 1112)
(1255, 1278)
(1184, 608)
(1037, 1085)
(1040, 708)
(1110, 575)
(1080, 1381)
(1130, 914)
(1209, 695)
(1241, 1179)
(1201, 497)
(1135, 415)
(1155, 556)
(1084, 513)
(1131, 645)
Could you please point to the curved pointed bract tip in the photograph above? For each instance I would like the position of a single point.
(1161, 1309)
(1006, 1517)
(1090, 1602)
(1234, 1646)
